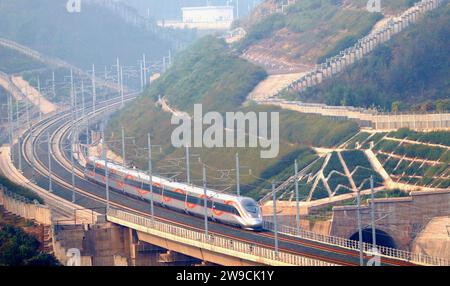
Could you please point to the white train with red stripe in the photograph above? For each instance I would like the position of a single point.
(233, 210)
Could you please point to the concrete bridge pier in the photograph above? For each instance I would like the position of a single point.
(171, 258)
(141, 253)
(108, 244)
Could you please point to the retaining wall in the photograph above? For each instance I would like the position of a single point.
(23, 208)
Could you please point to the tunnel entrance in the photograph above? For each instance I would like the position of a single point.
(382, 238)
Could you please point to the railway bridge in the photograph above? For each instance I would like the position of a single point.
(49, 144)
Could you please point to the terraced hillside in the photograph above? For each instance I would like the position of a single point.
(413, 158)
(408, 73)
(307, 32)
(334, 174)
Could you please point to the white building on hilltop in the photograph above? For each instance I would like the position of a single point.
(204, 18)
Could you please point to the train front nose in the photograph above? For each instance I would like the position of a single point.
(256, 222)
(256, 225)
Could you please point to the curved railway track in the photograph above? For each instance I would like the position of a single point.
(91, 195)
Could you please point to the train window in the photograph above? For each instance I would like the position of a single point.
(115, 177)
(226, 208)
(250, 206)
(174, 195)
(157, 190)
(133, 183)
(195, 200)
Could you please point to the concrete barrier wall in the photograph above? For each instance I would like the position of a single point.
(385, 122)
(20, 207)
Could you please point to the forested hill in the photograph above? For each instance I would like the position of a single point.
(95, 35)
(208, 72)
(411, 72)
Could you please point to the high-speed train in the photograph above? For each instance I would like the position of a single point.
(228, 209)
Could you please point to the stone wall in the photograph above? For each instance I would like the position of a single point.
(24, 208)
(317, 226)
(98, 245)
(368, 118)
(104, 244)
(400, 218)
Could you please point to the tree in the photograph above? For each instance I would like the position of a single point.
(18, 248)
(396, 106)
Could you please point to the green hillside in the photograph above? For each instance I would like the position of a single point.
(209, 73)
(408, 73)
(95, 35)
(310, 30)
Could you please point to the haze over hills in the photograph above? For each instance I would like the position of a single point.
(96, 35)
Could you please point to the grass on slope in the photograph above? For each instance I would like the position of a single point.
(297, 133)
(208, 73)
(410, 72)
(322, 28)
(434, 137)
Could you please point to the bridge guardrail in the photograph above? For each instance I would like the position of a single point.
(218, 241)
(418, 258)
